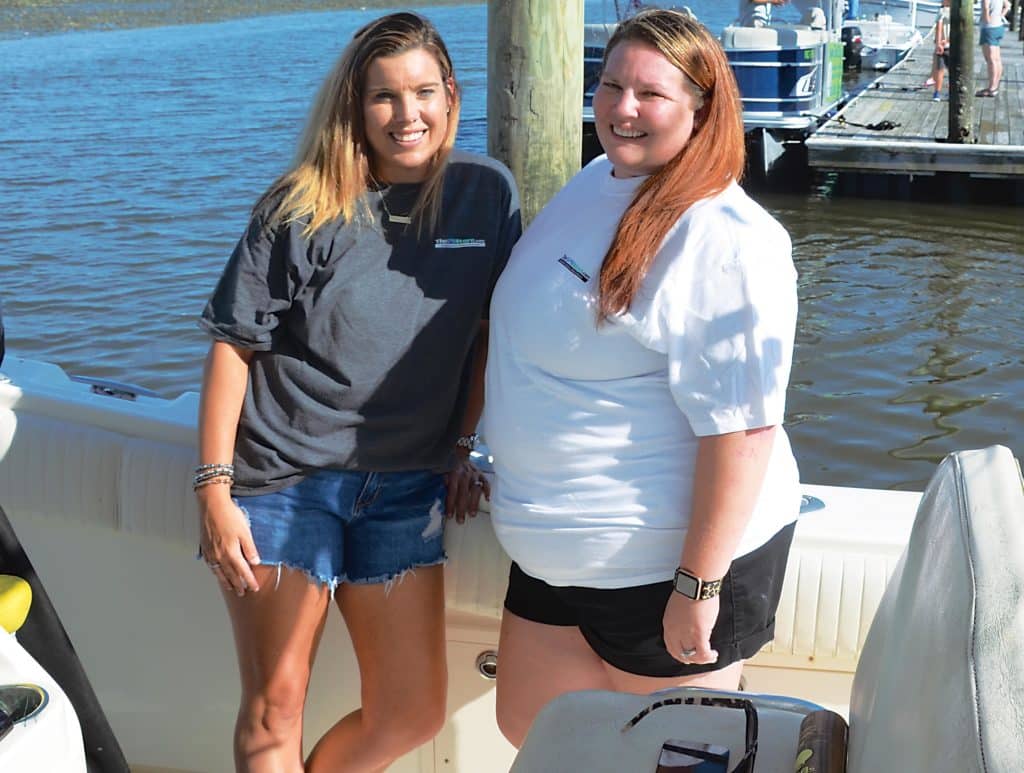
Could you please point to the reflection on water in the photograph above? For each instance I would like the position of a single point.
(131, 158)
(905, 349)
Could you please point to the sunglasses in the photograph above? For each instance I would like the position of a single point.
(746, 763)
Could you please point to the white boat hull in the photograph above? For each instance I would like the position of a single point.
(97, 491)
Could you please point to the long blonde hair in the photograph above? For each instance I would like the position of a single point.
(333, 165)
(712, 158)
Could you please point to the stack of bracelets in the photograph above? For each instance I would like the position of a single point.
(207, 474)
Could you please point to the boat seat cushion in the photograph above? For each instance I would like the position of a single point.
(940, 683)
(771, 37)
(584, 731)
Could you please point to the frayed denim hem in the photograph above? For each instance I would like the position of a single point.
(331, 583)
(391, 579)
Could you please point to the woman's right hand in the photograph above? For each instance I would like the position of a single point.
(225, 541)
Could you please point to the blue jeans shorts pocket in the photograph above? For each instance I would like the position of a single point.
(351, 526)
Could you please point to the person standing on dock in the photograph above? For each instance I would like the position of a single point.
(940, 62)
(340, 397)
(992, 28)
(641, 342)
(757, 13)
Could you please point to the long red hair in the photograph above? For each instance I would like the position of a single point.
(712, 158)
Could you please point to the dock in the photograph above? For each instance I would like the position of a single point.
(916, 143)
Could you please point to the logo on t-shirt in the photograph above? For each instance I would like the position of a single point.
(458, 244)
(575, 270)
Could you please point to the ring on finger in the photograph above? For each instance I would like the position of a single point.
(478, 483)
(688, 653)
(213, 565)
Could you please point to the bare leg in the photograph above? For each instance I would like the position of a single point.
(277, 631)
(537, 663)
(398, 635)
(727, 678)
(995, 67)
(939, 74)
(986, 51)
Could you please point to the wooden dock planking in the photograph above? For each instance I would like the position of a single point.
(917, 144)
(1014, 72)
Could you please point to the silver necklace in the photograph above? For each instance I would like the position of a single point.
(390, 218)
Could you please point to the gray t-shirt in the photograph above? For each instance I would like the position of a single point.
(362, 333)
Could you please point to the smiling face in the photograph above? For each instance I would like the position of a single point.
(644, 109)
(405, 114)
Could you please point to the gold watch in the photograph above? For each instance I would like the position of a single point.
(693, 587)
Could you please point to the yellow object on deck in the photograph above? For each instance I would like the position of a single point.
(15, 601)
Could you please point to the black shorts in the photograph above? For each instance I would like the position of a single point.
(942, 60)
(623, 625)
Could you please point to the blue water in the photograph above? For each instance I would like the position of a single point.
(130, 160)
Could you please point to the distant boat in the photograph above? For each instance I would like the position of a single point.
(789, 76)
(885, 42)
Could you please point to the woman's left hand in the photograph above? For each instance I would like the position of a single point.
(465, 485)
(687, 628)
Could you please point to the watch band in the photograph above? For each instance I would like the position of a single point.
(469, 442)
(693, 587)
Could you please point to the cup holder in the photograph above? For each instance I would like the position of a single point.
(18, 703)
(487, 664)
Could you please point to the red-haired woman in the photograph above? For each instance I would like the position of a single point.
(641, 342)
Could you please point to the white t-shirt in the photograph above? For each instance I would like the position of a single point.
(594, 429)
(995, 14)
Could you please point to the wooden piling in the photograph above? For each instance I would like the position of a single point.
(961, 72)
(535, 93)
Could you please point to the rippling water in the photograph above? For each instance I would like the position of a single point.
(130, 159)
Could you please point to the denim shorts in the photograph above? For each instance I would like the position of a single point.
(623, 625)
(990, 36)
(348, 526)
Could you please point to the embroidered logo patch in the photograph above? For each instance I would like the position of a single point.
(575, 270)
(458, 244)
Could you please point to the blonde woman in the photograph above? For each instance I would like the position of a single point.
(641, 341)
(340, 396)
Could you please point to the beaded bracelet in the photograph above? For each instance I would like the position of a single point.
(214, 478)
(213, 470)
(224, 469)
(214, 464)
(212, 481)
(228, 468)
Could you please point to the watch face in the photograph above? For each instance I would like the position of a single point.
(686, 585)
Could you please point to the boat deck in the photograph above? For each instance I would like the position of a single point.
(917, 144)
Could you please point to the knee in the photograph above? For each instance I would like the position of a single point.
(425, 726)
(418, 723)
(275, 712)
